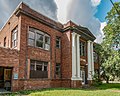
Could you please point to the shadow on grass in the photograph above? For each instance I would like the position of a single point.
(92, 88)
(109, 86)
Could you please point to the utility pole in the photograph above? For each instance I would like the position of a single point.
(115, 7)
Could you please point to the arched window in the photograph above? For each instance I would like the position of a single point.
(39, 39)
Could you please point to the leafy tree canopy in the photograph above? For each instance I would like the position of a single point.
(112, 30)
(109, 57)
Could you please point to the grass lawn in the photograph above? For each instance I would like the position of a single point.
(103, 90)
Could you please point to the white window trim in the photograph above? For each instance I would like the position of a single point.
(36, 31)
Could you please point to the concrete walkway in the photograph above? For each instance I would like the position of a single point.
(3, 91)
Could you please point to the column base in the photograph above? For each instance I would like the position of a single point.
(76, 83)
(89, 78)
(76, 78)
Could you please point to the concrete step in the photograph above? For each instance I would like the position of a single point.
(3, 91)
(86, 86)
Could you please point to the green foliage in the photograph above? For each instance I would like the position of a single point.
(109, 57)
(101, 90)
(112, 30)
(109, 86)
(96, 80)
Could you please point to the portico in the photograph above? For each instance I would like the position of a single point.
(77, 72)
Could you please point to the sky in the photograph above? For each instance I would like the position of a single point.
(87, 13)
(103, 8)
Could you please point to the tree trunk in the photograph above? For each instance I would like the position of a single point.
(107, 79)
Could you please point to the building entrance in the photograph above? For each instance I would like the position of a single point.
(5, 78)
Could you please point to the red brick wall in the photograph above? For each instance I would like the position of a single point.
(22, 65)
(66, 55)
(36, 84)
(27, 52)
(7, 29)
(9, 57)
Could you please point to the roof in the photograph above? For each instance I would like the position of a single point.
(85, 32)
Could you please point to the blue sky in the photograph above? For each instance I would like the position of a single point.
(103, 8)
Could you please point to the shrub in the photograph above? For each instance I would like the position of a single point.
(96, 80)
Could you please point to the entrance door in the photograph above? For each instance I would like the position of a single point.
(1, 77)
(7, 78)
(83, 76)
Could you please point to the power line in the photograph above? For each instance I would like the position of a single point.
(115, 7)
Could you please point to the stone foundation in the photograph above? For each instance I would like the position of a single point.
(33, 84)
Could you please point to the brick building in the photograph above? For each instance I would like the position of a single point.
(37, 52)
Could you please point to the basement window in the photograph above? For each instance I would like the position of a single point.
(38, 69)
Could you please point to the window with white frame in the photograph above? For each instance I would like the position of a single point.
(58, 42)
(39, 39)
(14, 37)
(82, 48)
(58, 70)
(31, 38)
(38, 69)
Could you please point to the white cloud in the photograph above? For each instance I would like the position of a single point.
(103, 24)
(62, 10)
(81, 12)
(46, 7)
(99, 38)
(95, 2)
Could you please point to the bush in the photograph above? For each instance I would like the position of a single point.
(96, 80)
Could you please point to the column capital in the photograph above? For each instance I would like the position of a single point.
(73, 33)
(78, 35)
(89, 41)
(92, 43)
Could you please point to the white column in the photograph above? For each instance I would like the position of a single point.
(92, 58)
(74, 56)
(78, 57)
(89, 61)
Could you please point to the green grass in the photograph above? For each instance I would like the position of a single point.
(102, 90)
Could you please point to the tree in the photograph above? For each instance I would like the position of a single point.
(112, 30)
(110, 58)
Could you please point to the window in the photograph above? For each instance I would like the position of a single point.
(38, 39)
(14, 37)
(38, 69)
(58, 42)
(58, 70)
(82, 48)
(5, 42)
(31, 39)
(95, 57)
(47, 42)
